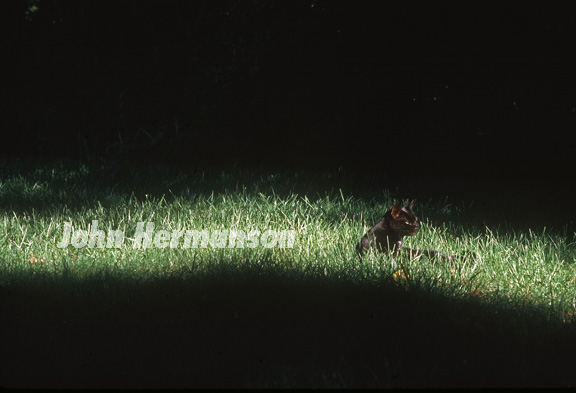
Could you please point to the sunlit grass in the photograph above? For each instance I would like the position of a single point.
(511, 267)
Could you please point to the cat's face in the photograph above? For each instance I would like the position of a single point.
(404, 221)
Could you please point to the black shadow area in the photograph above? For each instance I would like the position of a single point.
(270, 332)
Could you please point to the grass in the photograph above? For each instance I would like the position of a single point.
(518, 295)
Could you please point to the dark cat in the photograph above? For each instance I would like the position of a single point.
(386, 235)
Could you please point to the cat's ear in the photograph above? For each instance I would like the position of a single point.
(409, 206)
(396, 209)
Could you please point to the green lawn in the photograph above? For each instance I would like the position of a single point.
(314, 315)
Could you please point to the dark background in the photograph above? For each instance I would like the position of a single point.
(423, 88)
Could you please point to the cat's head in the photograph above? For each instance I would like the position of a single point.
(404, 221)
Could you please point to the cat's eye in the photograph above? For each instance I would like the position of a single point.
(407, 223)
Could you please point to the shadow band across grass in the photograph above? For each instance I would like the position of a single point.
(265, 331)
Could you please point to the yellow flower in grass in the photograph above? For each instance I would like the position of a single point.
(399, 275)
